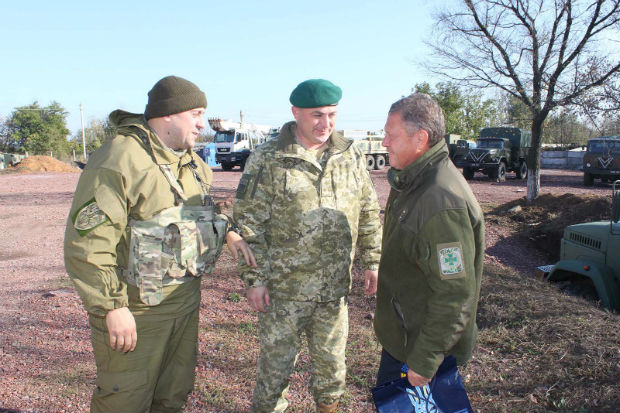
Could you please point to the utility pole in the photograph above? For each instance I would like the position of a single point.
(83, 137)
(241, 118)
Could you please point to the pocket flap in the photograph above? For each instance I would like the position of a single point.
(112, 382)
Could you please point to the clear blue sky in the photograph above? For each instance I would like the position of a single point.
(246, 55)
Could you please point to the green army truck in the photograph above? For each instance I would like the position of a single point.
(452, 141)
(591, 251)
(602, 160)
(498, 150)
(462, 148)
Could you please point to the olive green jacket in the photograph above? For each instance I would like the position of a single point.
(122, 181)
(303, 218)
(431, 264)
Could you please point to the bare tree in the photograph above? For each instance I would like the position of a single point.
(546, 53)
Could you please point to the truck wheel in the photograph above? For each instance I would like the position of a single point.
(380, 162)
(588, 180)
(522, 171)
(370, 162)
(227, 166)
(468, 173)
(501, 172)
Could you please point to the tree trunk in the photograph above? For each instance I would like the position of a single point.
(533, 160)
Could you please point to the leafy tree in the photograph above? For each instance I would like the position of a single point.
(465, 111)
(95, 135)
(37, 129)
(565, 128)
(545, 53)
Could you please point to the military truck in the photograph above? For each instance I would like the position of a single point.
(498, 150)
(462, 148)
(452, 141)
(234, 141)
(13, 159)
(602, 160)
(591, 251)
(370, 143)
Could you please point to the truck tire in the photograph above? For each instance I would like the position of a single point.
(522, 171)
(588, 180)
(370, 162)
(501, 172)
(227, 166)
(468, 173)
(379, 162)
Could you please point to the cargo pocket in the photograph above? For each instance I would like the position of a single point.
(117, 383)
(180, 249)
(146, 262)
(212, 234)
(100, 340)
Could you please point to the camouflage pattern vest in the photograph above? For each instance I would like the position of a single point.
(176, 245)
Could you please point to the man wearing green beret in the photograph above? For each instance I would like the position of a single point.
(141, 232)
(304, 202)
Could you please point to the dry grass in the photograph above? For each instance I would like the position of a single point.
(540, 350)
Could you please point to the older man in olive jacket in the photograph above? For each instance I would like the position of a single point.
(432, 251)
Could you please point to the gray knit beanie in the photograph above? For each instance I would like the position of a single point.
(171, 95)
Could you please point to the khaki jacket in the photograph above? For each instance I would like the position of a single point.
(303, 218)
(121, 182)
(431, 264)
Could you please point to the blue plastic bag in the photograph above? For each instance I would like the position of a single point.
(444, 394)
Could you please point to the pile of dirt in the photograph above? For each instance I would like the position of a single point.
(40, 163)
(544, 221)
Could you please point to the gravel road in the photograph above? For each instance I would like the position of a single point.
(45, 350)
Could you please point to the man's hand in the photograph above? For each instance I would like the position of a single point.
(416, 380)
(122, 329)
(235, 244)
(258, 297)
(370, 285)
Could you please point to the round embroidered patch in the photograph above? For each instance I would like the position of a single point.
(89, 217)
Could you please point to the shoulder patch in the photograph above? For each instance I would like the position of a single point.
(450, 260)
(88, 217)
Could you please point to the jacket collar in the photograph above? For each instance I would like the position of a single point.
(287, 142)
(135, 124)
(400, 179)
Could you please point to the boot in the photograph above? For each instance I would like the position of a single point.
(327, 408)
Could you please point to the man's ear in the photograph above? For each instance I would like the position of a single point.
(295, 111)
(422, 136)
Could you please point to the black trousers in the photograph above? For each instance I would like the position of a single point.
(389, 368)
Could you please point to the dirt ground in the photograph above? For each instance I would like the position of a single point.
(46, 364)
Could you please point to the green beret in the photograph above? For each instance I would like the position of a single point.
(314, 93)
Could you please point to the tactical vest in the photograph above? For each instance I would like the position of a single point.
(176, 245)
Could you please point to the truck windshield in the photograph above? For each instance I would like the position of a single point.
(221, 137)
(491, 143)
(604, 147)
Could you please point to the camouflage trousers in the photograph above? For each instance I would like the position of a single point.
(156, 377)
(326, 327)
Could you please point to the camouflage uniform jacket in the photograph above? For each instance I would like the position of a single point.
(431, 264)
(303, 217)
(122, 182)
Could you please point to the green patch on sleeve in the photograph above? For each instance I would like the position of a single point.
(88, 217)
(450, 260)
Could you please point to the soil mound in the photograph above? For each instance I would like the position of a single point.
(40, 163)
(544, 221)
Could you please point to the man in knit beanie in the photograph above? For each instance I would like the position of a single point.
(141, 232)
